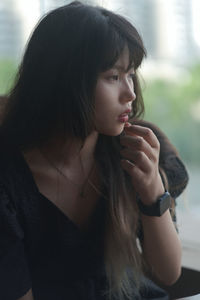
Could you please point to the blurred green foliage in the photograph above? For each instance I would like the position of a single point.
(7, 74)
(174, 105)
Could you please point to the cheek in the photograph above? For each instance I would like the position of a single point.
(104, 107)
(100, 99)
(105, 97)
(101, 92)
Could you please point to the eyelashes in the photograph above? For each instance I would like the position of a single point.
(114, 77)
(132, 75)
(117, 77)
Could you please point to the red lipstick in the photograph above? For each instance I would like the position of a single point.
(123, 118)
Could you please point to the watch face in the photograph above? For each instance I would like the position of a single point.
(158, 208)
(165, 202)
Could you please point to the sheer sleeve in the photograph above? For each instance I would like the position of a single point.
(14, 274)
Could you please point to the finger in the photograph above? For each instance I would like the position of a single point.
(138, 143)
(131, 169)
(138, 158)
(144, 132)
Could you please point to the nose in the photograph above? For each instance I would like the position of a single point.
(127, 92)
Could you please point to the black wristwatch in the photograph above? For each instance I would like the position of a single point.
(158, 208)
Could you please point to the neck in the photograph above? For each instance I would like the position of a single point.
(72, 149)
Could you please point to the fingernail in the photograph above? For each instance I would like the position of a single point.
(127, 124)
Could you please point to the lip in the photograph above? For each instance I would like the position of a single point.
(123, 118)
(126, 112)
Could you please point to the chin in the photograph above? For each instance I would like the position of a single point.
(113, 132)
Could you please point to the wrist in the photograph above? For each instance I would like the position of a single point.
(152, 196)
(158, 207)
(157, 190)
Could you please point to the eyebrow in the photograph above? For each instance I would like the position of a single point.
(121, 68)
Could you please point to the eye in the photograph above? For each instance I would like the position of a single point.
(132, 75)
(114, 77)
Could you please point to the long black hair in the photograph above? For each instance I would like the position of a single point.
(54, 95)
(54, 90)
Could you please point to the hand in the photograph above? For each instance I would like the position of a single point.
(141, 161)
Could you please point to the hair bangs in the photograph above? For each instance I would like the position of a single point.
(114, 46)
(121, 33)
(136, 55)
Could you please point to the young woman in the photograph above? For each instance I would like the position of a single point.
(79, 184)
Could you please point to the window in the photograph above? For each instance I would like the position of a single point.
(171, 32)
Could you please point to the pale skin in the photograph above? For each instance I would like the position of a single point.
(114, 94)
(161, 244)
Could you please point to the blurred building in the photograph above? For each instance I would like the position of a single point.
(47, 5)
(167, 27)
(11, 30)
(142, 15)
(174, 26)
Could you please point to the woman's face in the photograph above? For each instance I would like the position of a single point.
(114, 95)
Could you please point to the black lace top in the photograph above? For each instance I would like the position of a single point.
(41, 248)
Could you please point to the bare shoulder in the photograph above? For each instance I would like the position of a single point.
(27, 296)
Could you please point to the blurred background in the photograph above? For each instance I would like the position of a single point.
(170, 76)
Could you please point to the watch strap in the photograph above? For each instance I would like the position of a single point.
(158, 208)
